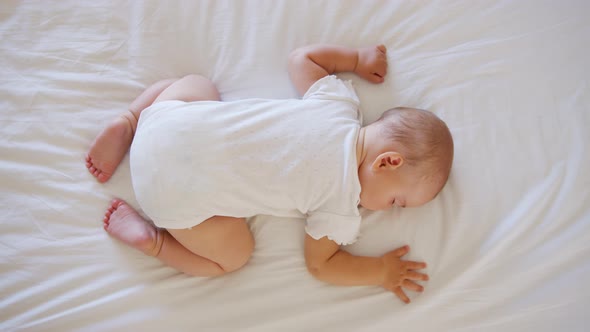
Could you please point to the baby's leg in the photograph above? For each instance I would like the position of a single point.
(224, 241)
(214, 247)
(111, 145)
(190, 88)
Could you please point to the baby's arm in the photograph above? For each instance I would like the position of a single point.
(328, 263)
(309, 64)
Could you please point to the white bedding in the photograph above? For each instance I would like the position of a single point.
(507, 241)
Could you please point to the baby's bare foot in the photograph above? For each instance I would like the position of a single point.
(123, 223)
(109, 148)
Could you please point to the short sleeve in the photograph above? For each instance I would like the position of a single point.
(340, 229)
(332, 88)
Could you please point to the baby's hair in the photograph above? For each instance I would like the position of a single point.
(423, 139)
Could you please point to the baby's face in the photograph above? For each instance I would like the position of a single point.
(400, 187)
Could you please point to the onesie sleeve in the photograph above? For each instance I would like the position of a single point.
(340, 229)
(332, 88)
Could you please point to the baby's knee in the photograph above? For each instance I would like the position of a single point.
(205, 87)
(238, 255)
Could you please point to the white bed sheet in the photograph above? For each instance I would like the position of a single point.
(507, 241)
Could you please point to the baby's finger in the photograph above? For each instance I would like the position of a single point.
(382, 48)
(401, 294)
(411, 265)
(399, 252)
(407, 284)
(416, 276)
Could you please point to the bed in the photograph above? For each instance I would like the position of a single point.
(507, 241)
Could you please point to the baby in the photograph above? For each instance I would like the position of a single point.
(200, 167)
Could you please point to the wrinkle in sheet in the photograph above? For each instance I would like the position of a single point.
(507, 247)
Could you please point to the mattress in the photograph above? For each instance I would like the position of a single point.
(507, 241)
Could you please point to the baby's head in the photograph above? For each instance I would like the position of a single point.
(406, 159)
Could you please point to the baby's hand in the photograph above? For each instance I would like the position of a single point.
(372, 63)
(400, 273)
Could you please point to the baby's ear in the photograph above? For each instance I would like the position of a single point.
(388, 161)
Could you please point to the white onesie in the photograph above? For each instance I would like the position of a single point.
(290, 157)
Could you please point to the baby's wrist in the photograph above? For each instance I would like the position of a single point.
(382, 271)
(356, 60)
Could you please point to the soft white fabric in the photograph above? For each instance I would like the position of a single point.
(507, 241)
(281, 157)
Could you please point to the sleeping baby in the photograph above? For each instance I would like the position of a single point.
(200, 167)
